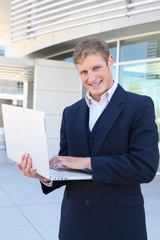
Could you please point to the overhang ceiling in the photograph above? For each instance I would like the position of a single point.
(21, 70)
(68, 46)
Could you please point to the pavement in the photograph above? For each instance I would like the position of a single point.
(27, 214)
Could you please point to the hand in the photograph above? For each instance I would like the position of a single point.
(26, 167)
(71, 162)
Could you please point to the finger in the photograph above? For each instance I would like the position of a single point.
(53, 161)
(28, 165)
(26, 173)
(34, 173)
(19, 166)
(24, 160)
(58, 164)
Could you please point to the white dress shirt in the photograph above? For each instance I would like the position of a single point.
(96, 108)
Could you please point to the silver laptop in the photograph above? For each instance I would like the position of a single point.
(25, 131)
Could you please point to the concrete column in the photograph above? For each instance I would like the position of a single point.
(28, 95)
(56, 85)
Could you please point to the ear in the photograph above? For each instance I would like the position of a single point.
(110, 61)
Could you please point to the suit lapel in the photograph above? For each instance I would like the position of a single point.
(82, 112)
(109, 116)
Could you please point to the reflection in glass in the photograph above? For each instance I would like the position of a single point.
(67, 57)
(113, 50)
(140, 48)
(143, 78)
(11, 87)
(2, 50)
(114, 72)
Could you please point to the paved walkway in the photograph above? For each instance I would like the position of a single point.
(27, 214)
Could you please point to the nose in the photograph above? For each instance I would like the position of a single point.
(91, 76)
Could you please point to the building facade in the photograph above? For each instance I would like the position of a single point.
(50, 29)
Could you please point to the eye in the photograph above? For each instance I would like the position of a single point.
(96, 68)
(84, 72)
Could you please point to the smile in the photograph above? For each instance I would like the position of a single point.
(96, 84)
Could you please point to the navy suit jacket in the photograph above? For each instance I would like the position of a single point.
(124, 155)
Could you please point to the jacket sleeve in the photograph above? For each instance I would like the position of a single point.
(63, 152)
(139, 164)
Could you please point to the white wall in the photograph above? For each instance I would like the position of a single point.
(5, 6)
(28, 94)
(56, 85)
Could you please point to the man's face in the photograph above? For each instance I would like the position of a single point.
(96, 75)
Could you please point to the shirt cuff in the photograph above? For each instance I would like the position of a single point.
(48, 184)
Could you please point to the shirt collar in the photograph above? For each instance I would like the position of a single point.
(107, 95)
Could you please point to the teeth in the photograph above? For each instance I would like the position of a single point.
(95, 84)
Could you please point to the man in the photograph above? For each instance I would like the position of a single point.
(112, 133)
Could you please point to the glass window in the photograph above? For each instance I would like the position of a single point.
(3, 101)
(11, 87)
(143, 78)
(67, 57)
(2, 50)
(114, 72)
(140, 48)
(84, 91)
(18, 103)
(113, 50)
(20, 87)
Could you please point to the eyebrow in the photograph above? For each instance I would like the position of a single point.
(96, 65)
(84, 70)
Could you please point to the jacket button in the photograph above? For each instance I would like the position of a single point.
(107, 181)
(87, 202)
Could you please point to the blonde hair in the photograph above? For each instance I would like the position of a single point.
(88, 47)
